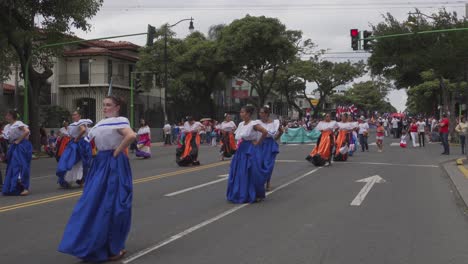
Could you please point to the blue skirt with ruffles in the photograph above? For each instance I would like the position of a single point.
(74, 153)
(100, 222)
(246, 181)
(18, 169)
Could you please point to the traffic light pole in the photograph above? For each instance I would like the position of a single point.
(59, 44)
(415, 33)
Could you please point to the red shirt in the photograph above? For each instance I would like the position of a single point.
(414, 128)
(445, 128)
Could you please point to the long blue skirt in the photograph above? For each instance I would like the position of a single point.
(18, 169)
(100, 222)
(74, 153)
(266, 157)
(246, 181)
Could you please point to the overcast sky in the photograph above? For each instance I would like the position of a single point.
(327, 23)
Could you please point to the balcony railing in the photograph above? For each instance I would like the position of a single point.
(74, 79)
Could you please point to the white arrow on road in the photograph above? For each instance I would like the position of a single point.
(365, 190)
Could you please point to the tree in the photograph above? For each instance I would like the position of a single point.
(258, 47)
(194, 69)
(404, 59)
(423, 98)
(328, 75)
(19, 30)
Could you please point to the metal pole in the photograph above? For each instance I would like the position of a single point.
(132, 104)
(165, 74)
(88, 109)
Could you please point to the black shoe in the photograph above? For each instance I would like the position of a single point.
(196, 163)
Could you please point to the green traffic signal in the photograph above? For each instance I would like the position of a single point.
(367, 42)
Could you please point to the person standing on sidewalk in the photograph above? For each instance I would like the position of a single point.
(413, 127)
(386, 126)
(444, 131)
(363, 134)
(421, 132)
(395, 127)
(462, 130)
(167, 134)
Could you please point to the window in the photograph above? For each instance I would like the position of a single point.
(84, 71)
(109, 70)
(120, 70)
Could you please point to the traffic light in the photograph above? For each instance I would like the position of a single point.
(138, 83)
(150, 36)
(367, 42)
(354, 39)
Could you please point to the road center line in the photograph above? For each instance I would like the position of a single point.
(195, 187)
(78, 193)
(207, 222)
(390, 164)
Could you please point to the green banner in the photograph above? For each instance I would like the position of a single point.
(299, 136)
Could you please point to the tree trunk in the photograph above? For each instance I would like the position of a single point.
(33, 101)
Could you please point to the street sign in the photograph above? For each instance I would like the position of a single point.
(314, 102)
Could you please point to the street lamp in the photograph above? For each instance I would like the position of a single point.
(191, 28)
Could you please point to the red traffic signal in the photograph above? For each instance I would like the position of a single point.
(354, 39)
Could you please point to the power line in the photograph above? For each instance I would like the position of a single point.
(332, 6)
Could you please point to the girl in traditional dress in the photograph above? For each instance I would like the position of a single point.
(100, 222)
(352, 135)
(267, 151)
(323, 151)
(342, 140)
(187, 152)
(18, 157)
(62, 141)
(76, 159)
(246, 184)
(144, 141)
(228, 144)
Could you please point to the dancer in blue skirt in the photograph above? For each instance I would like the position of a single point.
(100, 222)
(77, 155)
(267, 151)
(19, 156)
(246, 182)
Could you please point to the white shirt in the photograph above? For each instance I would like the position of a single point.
(421, 126)
(271, 128)
(167, 129)
(247, 132)
(144, 130)
(64, 132)
(195, 127)
(106, 134)
(345, 126)
(228, 126)
(363, 127)
(74, 128)
(395, 123)
(12, 132)
(323, 126)
(385, 122)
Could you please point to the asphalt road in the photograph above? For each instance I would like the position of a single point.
(180, 215)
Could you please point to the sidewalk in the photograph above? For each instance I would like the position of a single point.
(458, 173)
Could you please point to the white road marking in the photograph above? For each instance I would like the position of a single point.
(223, 175)
(205, 223)
(195, 187)
(373, 144)
(365, 190)
(391, 164)
(291, 161)
(395, 144)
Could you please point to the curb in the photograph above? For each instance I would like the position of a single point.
(456, 182)
(462, 167)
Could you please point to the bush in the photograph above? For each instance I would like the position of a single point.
(53, 115)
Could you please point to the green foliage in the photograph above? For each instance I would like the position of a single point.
(18, 29)
(367, 96)
(53, 116)
(258, 47)
(403, 59)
